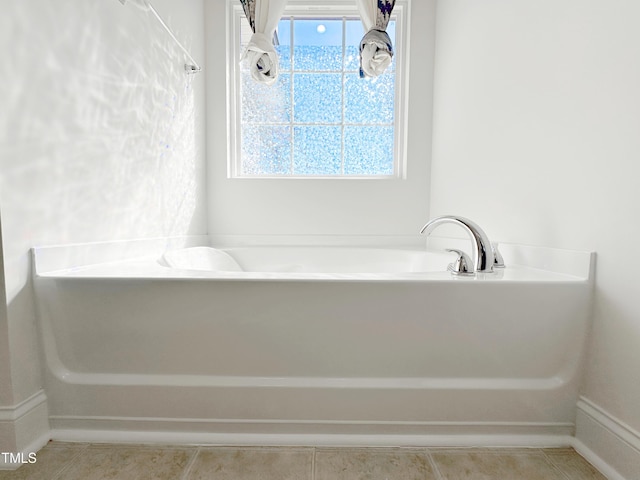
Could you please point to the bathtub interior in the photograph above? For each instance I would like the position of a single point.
(200, 258)
(301, 259)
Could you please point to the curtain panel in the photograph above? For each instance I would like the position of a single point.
(376, 50)
(263, 17)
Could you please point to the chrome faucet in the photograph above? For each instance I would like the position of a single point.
(484, 256)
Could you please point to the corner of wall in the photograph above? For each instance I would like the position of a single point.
(608, 443)
(6, 391)
(24, 429)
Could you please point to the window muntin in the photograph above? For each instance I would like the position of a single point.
(319, 119)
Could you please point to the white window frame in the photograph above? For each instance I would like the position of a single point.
(317, 9)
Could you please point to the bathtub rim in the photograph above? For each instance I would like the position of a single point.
(65, 260)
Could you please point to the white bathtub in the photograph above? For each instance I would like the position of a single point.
(341, 345)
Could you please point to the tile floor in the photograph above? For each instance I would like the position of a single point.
(68, 461)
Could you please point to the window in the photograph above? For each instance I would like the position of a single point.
(320, 119)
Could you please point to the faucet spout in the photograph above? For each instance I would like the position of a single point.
(483, 252)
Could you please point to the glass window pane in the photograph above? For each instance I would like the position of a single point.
(317, 97)
(317, 44)
(284, 57)
(317, 120)
(353, 36)
(316, 150)
(284, 44)
(369, 100)
(368, 150)
(266, 150)
(266, 103)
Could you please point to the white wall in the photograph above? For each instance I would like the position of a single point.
(101, 138)
(536, 137)
(313, 206)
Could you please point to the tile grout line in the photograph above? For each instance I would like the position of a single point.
(313, 464)
(187, 469)
(70, 462)
(433, 464)
(554, 466)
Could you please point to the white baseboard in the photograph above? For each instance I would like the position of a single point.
(317, 440)
(308, 433)
(29, 424)
(609, 444)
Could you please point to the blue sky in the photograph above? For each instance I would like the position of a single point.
(306, 32)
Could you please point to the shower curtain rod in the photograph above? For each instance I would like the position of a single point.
(190, 68)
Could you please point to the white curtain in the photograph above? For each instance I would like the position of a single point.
(376, 50)
(263, 16)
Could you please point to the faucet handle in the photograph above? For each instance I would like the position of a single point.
(462, 265)
(498, 261)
